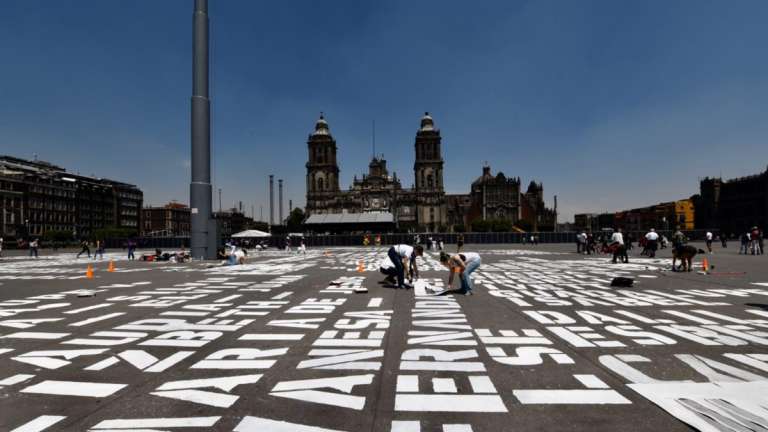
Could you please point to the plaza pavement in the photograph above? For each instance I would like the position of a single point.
(284, 343)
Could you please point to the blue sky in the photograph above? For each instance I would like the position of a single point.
(611, 104)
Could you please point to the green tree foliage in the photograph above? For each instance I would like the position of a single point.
(296, 220)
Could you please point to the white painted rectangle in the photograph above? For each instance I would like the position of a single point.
(444, 385)
(482, 384)
(405, 426)
(97, 319)
(569, 397)
(74, 388)
(87, 308)
(177, 422)
(449, 403)
(39, 424)
(375, 302)
(407, 383)
(35, 335)
(591, 382)
(272, 336)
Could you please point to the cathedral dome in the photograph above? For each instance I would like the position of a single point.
(427, 124)
(321, 127)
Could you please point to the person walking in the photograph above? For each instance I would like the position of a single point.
(709, 237)
(33, 245)
(618, 247)
(131, 249)
(84, 249)
(1, 247)
(760, 241)
(653, 242)
(463, 264)
(403, 257)
(723, 239)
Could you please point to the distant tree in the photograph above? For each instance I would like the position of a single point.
(112, 232)
(261, 226)
(501, 225)
(295, 220)
(459, 228)
(524, 225)
(481, 225)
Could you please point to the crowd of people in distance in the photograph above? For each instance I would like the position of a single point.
(619, 244)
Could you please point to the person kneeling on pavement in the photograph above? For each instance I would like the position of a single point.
(464, 264)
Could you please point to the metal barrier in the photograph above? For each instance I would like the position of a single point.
(331, 240)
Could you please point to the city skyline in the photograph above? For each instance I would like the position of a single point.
(602, 103)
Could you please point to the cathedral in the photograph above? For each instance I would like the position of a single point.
(421, 206)
(425, 206)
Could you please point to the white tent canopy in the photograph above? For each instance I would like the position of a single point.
(251, 234)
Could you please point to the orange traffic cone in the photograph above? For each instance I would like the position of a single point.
(89, 272)
(111, 267)
(705, 265)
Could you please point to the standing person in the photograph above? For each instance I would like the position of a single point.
(131, 249)
(99, 250)
(760, 241)
(709, 237)
(84, 249)
(464, 264)
(754, 245)
(533, 240)
(440, 244)
(33, 245)
(744, 239)
(459, 242)
(653, 242)
(288, 244)
(1, 247)
(578, 243)
(403, 257)
(628, 241)
(302, 248)
(724, 239)
(617, 246)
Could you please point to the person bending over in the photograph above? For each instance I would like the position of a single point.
(403, 257)
(464, 264)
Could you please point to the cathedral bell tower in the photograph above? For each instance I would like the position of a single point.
(428, 174)
(322, 169)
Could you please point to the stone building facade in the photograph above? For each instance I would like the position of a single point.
(420, 207)
(37, 197)
(732, 206)
(425, 206)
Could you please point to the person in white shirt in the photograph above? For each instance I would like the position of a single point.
(709, 241)
(403, 257)
(653, 242)
(618, 247)
(464, 264)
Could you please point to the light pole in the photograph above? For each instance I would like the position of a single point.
(203, 229)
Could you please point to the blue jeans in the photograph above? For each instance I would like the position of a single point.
(397, 260)
(466, 280)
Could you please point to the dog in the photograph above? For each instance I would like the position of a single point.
(685, 254)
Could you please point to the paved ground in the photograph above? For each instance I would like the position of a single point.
(546, 344)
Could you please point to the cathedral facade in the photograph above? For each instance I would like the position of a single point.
(420, 207)
(425, 206)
